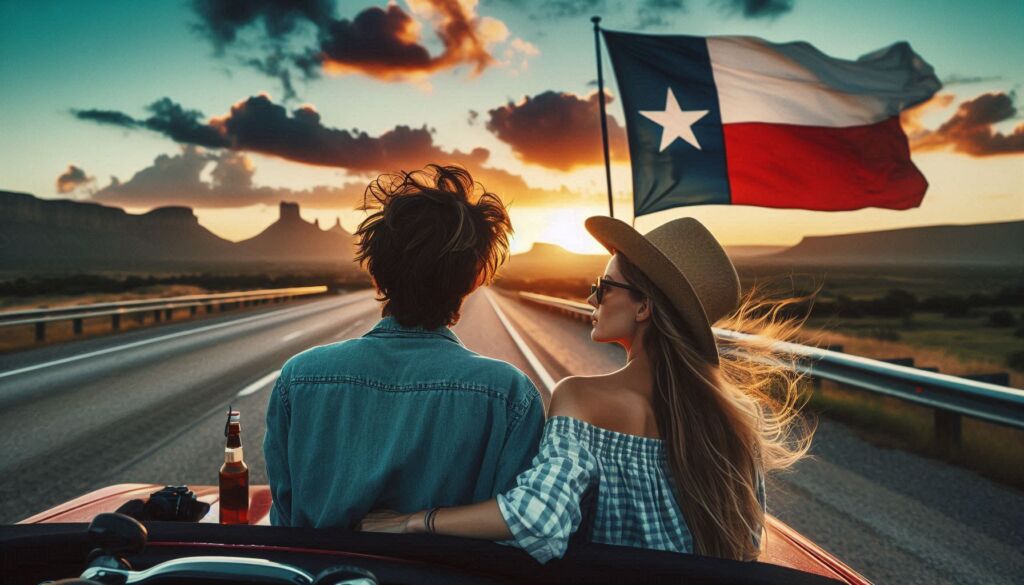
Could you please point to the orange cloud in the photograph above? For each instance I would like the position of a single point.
(971, 129)
(386, 43)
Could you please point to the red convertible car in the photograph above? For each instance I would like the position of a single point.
(82, 541)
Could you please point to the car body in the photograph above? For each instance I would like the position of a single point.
(788, 556)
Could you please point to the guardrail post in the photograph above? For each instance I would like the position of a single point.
(76, 325)
(157, 315)
(192, 310)
(40, 331)
(947, 430)
(209, 308)
(169, 313)
(115, 321)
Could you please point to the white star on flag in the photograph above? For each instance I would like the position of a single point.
(675, 123)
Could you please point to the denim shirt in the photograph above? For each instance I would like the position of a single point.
(401, 419)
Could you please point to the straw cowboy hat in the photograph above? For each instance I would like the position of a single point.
(686, 263)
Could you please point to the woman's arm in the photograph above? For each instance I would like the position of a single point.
(480, 520)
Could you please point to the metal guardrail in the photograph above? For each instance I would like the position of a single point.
(162, 308)
(950, 396)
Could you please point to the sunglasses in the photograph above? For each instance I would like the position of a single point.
(597, 289)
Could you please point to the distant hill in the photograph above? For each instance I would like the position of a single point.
(737, 252)
(62, 234)
(291, 238)
(545, 260)
(42, 235)
(988, 244)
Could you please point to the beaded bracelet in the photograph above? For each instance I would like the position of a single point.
(428, 519)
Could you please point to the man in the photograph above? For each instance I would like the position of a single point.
(405, 417)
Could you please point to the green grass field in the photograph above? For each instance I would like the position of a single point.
(971, 338)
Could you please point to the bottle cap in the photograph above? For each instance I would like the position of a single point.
(233, 417)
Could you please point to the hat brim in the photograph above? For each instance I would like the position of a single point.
(618, 236)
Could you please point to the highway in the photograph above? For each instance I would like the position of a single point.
(148, 406)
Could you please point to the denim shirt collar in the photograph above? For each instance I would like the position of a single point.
(390, 325)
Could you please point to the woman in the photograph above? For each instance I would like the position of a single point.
(677, 441)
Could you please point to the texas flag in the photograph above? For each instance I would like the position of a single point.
(742, 121)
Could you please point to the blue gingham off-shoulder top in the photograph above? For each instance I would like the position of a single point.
(636, 504)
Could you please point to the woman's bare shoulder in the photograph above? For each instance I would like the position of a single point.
(576, 396)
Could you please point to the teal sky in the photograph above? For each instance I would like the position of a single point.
(123, 55)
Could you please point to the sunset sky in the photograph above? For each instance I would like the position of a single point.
(145, 104)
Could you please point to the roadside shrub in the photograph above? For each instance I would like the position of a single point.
(1001, 318)
(895, 303)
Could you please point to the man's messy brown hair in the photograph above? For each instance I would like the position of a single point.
(430, 242)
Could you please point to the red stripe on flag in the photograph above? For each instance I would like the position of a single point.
(826, 169)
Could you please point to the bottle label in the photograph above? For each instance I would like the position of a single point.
(233, 455)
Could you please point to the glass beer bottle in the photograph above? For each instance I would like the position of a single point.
(234, 476)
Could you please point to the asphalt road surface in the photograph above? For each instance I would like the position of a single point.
(147, 406)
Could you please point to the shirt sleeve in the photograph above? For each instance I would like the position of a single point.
(543, 510)
(275, 452)
(521, 441)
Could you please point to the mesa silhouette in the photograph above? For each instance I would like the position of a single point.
(44, 235)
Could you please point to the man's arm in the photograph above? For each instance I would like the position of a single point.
(275, 452)
(522, 440)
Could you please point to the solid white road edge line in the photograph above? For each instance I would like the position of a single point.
(116, 348)
(259, 384)
(543, 374)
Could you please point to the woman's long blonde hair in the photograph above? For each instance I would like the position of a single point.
(725, 426)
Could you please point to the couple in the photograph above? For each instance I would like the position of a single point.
(406, 430)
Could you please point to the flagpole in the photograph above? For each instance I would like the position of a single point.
(604, 118)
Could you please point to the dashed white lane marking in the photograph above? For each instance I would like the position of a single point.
(293, 335)
(542, 373)
(117, 348)
(259, 384)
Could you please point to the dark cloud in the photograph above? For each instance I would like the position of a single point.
(657, 13)
(758, 8)
(557, 130)
(177, 180)
(380, 42)
(73, 178)
(182, 125)
(276, 64)
(648, 13)
(167, 118)
(110, 117)
(258, 125)
(956, 79)
(970, 130)
(222, 20)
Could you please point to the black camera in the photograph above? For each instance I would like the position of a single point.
(174, 503)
